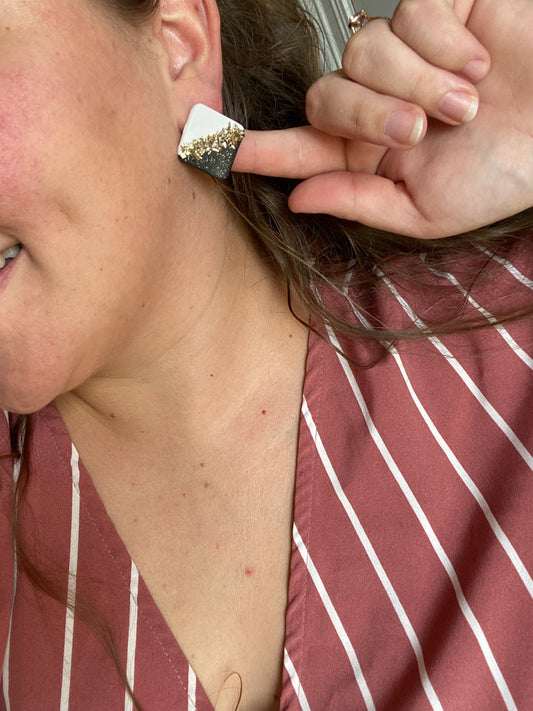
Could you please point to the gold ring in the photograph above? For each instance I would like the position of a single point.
(359, 20)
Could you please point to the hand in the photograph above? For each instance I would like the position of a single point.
(458, 177)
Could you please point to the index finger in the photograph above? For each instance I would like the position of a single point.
(290, 153)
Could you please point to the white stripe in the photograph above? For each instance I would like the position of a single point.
(470, 384)
(191, 706)
(5, 666)
(132, 635)
(471, 486)
(504, 333)
(461, 471)
(334, 617)
(295, 681)
(510, 267)
(71, 595)
(430, 533)
(7, 652)
(371, 553)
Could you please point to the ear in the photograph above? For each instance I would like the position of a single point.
(190, 35)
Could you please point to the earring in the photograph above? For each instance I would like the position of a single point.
(210, 141)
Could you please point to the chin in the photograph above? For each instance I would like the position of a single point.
(22, 406)
(22, 399)
(30, 382)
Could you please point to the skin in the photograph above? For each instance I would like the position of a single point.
(118, 308)
(132, 269)
(69, 316)
(59, 312)
(54, 301)
(102, 203)
(420, 190)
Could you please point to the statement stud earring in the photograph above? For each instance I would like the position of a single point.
(210, 141)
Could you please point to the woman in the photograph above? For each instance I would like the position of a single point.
(154, 317)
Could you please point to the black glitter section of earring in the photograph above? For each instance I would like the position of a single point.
(216, 163)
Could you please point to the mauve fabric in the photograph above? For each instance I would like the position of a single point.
(410, 578)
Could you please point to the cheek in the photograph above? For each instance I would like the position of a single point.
(51, 339)
(56, 130)
(30, 373)
(76, 189)
(21, 160)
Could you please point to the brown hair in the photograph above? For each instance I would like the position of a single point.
(271, 57)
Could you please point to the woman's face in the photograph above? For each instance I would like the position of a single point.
(87, 152)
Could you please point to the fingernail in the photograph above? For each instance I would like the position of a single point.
(475, 69)
(404, 127)
(459, 106)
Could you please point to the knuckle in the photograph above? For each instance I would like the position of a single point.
(358, 119)
(418, 90)
(355, 57)
(453, 51)
(406, 18)
(363, 49)
(314, 102)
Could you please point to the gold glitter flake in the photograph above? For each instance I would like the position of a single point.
(228, 137)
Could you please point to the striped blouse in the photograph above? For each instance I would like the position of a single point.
(410, 583)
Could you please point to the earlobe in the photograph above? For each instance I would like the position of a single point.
(190, 34)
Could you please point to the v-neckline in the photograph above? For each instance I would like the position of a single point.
(302, 496)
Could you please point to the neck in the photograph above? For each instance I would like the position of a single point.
(202, 358)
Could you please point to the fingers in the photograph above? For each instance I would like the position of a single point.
(435, 30)
(343, 108)
(302, 152)
(291, 153)
(381, 61)
(370, 199)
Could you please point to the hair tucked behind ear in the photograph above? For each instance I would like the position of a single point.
(271, 57)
